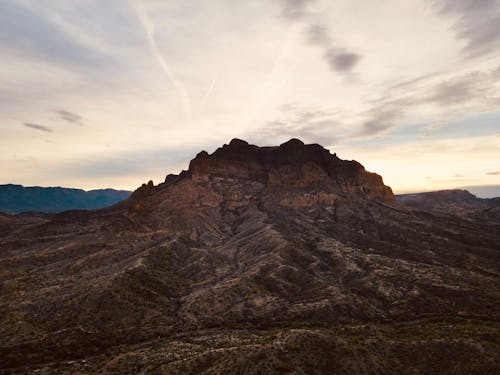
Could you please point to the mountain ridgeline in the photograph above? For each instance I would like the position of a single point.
(454, 202)
(254, 260)
(15, 199)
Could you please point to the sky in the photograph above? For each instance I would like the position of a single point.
(113, 93)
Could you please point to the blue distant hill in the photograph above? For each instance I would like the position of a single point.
(17, 198)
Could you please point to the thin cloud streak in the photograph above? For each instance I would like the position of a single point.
(38, 127)
(149, 29)
(69, 116)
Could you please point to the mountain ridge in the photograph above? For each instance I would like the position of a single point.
(16, 198)
(458, 202)
(273, 268)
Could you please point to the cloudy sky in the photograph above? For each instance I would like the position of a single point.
(112, 93)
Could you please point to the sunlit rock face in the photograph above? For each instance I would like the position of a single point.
(261, 258)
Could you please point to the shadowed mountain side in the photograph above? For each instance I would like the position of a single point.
(255, 260)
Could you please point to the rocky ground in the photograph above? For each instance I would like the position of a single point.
(255, 260)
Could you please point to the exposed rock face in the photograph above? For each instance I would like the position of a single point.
(291, 165)
(254, 260)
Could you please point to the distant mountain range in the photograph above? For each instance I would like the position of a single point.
(17, 198)
(456, 202)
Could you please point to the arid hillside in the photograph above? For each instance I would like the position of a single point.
(255, 260)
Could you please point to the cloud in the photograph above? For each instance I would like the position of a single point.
(24, 30)
(38, 127)
(318, 34)
(309, 124)
(149, 29)
(69, 116)
(382, 117)
(494, 173)
(477, 23)
(472, 91)
(295, 9)
(460, 95)
(341, 60)
(379, 123)
(452, 92)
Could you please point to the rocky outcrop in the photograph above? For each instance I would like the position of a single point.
(290, 165)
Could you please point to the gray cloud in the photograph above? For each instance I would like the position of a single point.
(468, 88)
(477, 23)
(469, 92)
(318, 34)
(452, 92)
(382, 118)
(494, 173)
(69, 116)
(338, 59)
(341, 60)
(38, 127)
(295, 9)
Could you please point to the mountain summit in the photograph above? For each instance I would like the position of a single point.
(254, 260)
(292, 165)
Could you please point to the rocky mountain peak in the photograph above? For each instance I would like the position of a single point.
(292, 164)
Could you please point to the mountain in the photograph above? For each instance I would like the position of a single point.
(454, 202)
(255, 260)
(17, 198)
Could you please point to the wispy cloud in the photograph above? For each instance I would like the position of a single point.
(493, 173)
(461, 94)
(69, 116)
(23, 30)
(477, 23)
(38, 127)
(149, 29)
(309, 124)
